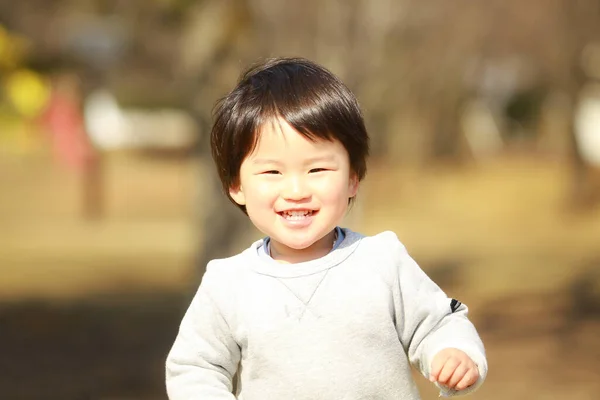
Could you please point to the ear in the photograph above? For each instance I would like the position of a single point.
(352, 186)
(237, 194)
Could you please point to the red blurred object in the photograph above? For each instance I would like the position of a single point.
(63, 119)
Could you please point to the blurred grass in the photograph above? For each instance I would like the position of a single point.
(145, 238)
(507, 220)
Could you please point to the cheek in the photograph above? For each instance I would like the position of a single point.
(261, 193)
(334, 191)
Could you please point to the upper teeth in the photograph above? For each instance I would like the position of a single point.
(297, 213)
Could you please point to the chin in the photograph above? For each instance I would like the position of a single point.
(297, 245)
(302, 243)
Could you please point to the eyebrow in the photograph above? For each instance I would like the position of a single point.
(277, 163)
(325, 158)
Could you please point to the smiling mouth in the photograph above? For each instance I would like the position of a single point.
(297, 215)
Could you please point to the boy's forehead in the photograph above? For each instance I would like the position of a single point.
(279, 134)
(281, 130)
(275, 126)
(277, 139)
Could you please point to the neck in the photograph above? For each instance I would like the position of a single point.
(287, 255)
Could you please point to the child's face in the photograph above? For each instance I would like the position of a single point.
(296, 191)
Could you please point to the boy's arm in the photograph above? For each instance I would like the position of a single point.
(204, 357)
(428, 322)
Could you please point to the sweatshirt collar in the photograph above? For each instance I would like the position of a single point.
(340, 253)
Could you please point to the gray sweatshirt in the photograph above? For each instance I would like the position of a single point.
(345, 326)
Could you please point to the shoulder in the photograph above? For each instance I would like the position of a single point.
(225, 274)
(225, 266)
(383, 253)
(224, 281)
(384, 243)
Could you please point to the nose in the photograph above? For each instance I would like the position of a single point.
(295, 188)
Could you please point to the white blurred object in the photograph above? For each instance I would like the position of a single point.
(480, 129)
(587, 124)
(111, 127)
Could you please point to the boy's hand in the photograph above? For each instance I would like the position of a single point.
(454, 369)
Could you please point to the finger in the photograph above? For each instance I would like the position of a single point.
(469, 379)
(457, 376)
(448, 370)
(436, 367)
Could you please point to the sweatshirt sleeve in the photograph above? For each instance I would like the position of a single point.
(204, 356)
(428, 321)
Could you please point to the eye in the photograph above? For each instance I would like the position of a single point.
(271, 172)
(314, 170)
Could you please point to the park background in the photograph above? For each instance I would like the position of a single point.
(485, 125)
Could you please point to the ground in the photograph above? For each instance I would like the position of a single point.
(89, 308)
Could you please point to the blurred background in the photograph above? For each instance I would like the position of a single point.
(485, 124)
